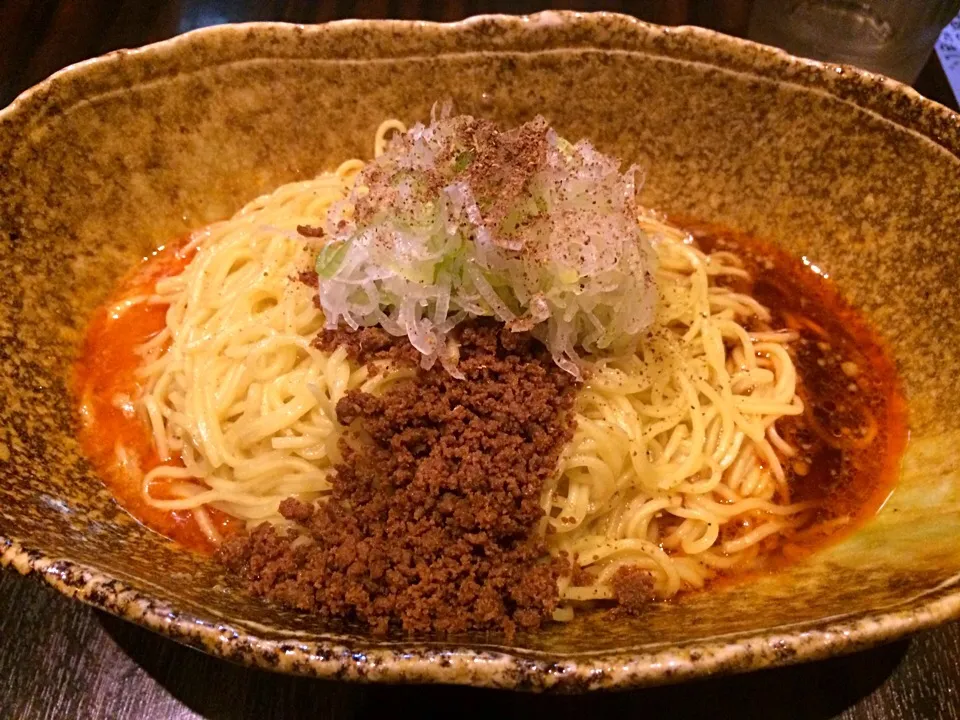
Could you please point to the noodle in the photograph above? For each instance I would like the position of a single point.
(675, 466)
(240, 405)
(678, 444)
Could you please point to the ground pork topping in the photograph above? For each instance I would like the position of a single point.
(632, 589)
(430, 525)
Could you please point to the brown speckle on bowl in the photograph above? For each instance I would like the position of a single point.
(111, 158)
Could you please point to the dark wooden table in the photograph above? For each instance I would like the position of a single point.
(60, 659)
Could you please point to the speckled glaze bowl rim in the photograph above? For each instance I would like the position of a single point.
(410, 661)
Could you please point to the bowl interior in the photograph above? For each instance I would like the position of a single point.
(107, 162)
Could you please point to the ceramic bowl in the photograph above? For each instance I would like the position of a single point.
(113, 157)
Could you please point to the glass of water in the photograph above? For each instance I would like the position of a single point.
(891, 37)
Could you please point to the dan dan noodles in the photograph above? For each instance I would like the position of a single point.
(474, 384)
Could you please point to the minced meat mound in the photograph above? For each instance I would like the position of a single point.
(365, 345)
(430, 522)
(632, 589)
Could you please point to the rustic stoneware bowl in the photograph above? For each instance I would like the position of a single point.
(113, 157)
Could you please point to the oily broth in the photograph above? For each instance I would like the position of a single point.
(854, 429)
(849, 441)
(114, 438)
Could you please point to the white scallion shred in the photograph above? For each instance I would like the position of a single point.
(457, 220)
